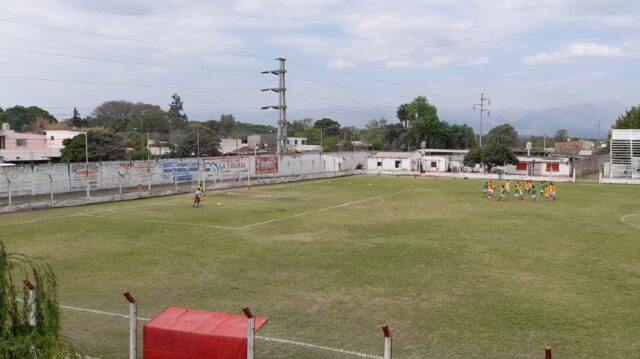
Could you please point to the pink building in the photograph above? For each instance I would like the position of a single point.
(18, 147)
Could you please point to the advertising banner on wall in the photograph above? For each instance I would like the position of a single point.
(217, 166)
(80, 176)
(266, 164)
(183, 170)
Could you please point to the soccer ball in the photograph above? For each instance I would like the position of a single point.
(219, 203)
(369, 184)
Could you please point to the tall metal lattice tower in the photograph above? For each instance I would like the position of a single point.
(281, 107)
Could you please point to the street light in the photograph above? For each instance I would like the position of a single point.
(86, 161)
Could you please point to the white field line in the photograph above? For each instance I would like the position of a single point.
(81, 214)
(276, 340)
(624, 219)
(252, 225)
(321, 210)
(159, 221)
(319, 347)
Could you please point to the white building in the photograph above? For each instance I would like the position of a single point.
(394, 161)
(540, 166)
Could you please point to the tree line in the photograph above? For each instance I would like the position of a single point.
(118, 130)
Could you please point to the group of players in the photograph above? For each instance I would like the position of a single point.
(547, 190)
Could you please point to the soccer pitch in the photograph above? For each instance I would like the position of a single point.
(330, 261)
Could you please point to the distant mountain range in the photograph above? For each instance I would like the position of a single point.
(578, 119)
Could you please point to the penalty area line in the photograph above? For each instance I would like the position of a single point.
(320, 210)
(268, 339)
(158, 221)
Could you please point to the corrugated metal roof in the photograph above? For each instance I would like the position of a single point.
(382, 154)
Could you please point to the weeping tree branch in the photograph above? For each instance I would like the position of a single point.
(19, 339)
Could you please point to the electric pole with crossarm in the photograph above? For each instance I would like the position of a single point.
(482, 108)
(281, 107)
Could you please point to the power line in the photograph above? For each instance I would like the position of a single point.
(142, 63)
(346, 87)
(147, 42)
(157, 43)
(126, 84)
(334, 99)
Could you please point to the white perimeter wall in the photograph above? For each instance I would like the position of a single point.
(62, 177)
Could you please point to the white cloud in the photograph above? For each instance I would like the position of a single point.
(478, 61)
(575, 52)
(340, 64)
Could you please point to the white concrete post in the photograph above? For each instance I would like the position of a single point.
(120, 175)
(32, 302)
(175, 177)
(133, 325)
(204, 181)
(387, 342)
(9, 189)
(149, 173)
(249, 175)
(250, 332)
(51, 188)
(86, 162)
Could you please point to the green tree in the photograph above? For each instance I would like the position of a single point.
(424, 123)
(153, 120)
(121, 116)
(561, 135)
(375, 129)
(19, 339)
(76, 121)
(20, 117)
(503, 134)
(490, 156)
(473, 157)
(198, 139)
(460, 137)
(103, 146)
(329, 127)
(176, 116)
(395, 137)
(298, 126)
(377, 144)
(631, 119)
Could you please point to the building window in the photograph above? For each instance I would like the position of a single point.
(521, 166)
(2, 143)
(52, 138)
(398, 163)
(434, 164)
(21, 142)
(295, 142)
(553, 167)
(379, 163)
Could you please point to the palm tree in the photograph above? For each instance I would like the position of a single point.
(402, 115)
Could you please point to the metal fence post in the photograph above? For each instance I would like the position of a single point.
(547, 353)
(250, 332)
(32, 302)
(133, 325)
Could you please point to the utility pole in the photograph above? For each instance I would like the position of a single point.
(598, 126)
(281, 107)
(481, 105)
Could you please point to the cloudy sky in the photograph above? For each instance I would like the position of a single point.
(367, 53)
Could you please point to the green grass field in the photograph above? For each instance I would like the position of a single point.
(329, 262)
